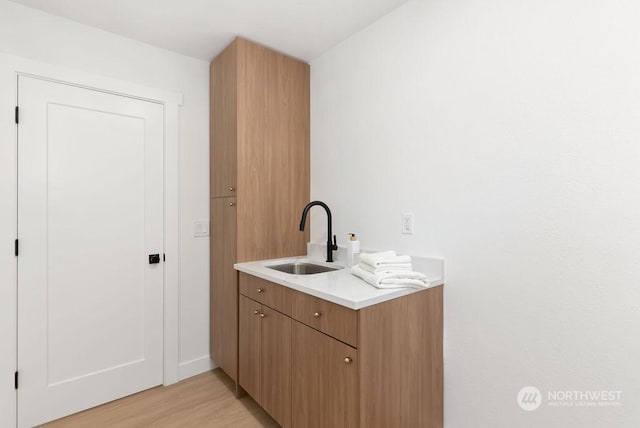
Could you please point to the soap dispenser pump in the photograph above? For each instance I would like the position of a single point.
(353, 249)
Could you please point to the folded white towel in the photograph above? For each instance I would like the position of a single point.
(384, 258)
(396, 267)
(400, 279)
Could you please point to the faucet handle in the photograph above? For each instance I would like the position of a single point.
(335, 244)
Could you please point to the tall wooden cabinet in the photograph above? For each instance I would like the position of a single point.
(259, 174)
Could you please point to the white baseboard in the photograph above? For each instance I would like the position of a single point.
(195, 367)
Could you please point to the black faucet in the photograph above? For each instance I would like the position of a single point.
(331, 246)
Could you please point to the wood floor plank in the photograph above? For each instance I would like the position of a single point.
(206, 400)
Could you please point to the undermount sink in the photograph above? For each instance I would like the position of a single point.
(303, 268)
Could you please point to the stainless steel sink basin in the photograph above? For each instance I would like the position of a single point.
(303, 268)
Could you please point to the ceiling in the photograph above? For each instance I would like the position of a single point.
(202, 28)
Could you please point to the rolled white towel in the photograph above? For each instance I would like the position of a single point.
(382, 259)
(394, 267)
(392, 279)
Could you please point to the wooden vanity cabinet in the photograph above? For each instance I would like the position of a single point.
(259, 174)
(379, 366)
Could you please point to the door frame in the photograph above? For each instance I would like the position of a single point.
(10, 68)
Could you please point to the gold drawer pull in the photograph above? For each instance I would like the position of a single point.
(348, 360)
(262, 315)
(317, 314)
(260, 290)
(231, 204)
(256, 312)
(232, 189)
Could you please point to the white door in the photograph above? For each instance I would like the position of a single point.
(90, 211)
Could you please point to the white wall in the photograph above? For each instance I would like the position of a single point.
(36, 35)
(512, 131)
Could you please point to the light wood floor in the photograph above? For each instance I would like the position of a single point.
(206, 400)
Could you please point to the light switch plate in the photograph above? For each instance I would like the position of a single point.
(201, 228)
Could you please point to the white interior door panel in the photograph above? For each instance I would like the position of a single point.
(90, 211)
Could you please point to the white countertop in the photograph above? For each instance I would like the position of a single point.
(339, 286)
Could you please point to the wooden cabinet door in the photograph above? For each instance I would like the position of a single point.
(224, 287)
(324, 384)
(272, 152)
(223, 124)
(275, 360)
(249, 347)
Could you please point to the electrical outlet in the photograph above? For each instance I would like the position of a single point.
(407, 223)
(201, 228)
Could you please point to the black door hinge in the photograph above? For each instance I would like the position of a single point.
(16, 247)
(16, 380)
(17, 114)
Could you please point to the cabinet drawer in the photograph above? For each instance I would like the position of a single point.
(273, 295)
(330, 318)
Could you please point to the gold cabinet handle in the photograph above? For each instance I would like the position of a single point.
(317, 314)
(348, 360)
(262, 315)
(260, 290)
(232, 189)
(231, 204)
(256, 312)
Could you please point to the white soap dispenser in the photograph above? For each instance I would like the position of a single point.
(353, 249)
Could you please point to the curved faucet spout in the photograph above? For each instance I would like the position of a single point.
(331, 246)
